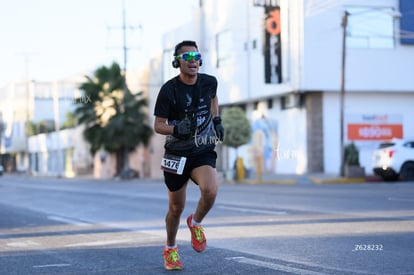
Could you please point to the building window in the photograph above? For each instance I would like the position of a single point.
(370, 27)
(256, 105)
(407, 22)
(270, 103)
(291, 100)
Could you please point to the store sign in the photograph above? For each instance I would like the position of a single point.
(272, 45)
(374, 127)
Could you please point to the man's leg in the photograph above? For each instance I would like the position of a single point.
(176, 203)
(206, 178)
(175, 209)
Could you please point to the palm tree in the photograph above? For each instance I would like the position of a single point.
(115, 118)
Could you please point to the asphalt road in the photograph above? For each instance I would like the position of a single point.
(61, 226)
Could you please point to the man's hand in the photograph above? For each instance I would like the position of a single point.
(183, 129)
(218, 127)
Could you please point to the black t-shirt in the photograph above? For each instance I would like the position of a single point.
(175, 101)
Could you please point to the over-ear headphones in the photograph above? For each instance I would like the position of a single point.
(176, 63)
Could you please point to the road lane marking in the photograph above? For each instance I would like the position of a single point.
(400, 199)
(273, 266)
(251, 210)
(51, 265)
(99, 243)
(22, 244)
(68, 220)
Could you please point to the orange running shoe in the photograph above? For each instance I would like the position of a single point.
(172, 259)
(198, 239)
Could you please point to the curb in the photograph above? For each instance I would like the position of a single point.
(252, 182)
(338, 180)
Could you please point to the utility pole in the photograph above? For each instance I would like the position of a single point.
(126, 153)
(26, 56)
(124, 36)
(342, 95)
(56, 114)
(2, 127)
(125, 170)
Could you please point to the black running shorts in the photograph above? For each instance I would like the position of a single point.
(174, 182)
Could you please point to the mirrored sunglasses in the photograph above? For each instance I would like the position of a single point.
(188, 56)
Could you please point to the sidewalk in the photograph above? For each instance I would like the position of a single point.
(312, 178)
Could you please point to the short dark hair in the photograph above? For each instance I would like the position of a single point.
(183, 44)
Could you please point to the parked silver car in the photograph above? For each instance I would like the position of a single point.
(394, 160)
(1, 170)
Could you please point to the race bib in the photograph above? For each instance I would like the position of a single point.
(173, 164)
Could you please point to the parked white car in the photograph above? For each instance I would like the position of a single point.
(394, 160)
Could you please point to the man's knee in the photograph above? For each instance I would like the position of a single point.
(176, 208)
(209, 191)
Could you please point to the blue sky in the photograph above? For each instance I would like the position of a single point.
(61, 38)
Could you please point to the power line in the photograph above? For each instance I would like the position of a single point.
(124, 29)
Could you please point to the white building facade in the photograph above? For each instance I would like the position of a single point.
(32, 102)
(281, 61)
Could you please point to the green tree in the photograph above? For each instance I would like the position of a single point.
(44, 126)
(115, 118)
(30, 127)
(237, 132)
(237, 129)
(70, 121)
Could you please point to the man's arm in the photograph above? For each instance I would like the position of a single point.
(218, 128)
(214, 107)
(161, 126)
